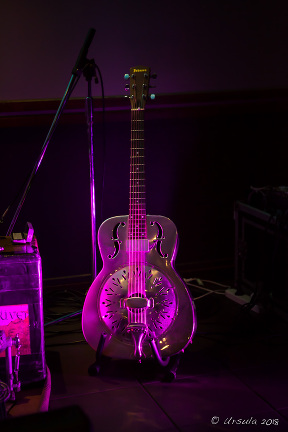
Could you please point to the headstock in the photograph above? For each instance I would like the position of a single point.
(139, 86)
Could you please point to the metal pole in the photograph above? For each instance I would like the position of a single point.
(89, 108)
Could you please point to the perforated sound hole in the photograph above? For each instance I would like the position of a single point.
(158, 288)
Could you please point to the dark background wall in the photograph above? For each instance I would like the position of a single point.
(193, 45)
(221, 127)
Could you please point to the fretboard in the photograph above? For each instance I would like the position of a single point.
(137, 197)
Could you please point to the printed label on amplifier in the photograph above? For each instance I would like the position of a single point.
(14, 319)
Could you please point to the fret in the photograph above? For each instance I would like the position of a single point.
(139, 222)
(138, 230)
(139, 189)
(135, 205)
(135, 191)
(137, 217)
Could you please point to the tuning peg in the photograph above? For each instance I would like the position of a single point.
(152, 96)
(126, 76)
(127, 87)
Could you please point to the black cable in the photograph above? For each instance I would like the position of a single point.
(4, 392)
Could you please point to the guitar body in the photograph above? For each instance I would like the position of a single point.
(170, 313)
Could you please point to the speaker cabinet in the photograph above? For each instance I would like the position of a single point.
(21, 307)
(261, 254)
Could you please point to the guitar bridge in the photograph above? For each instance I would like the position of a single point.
(137, 303)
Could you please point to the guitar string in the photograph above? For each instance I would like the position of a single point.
(142, 235)
(132, 216)
(142, 218)
(139, 263)
(139, 288)
(130, 236)
(139, 311)
(136, 210)
(137, 226)
(138, 217)
(133, 220)
(136, 282)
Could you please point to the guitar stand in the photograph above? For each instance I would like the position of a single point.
(94, 369)
(162, 362)
(170, 364)
(172, 367)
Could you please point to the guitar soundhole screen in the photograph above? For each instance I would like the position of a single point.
(162, 302)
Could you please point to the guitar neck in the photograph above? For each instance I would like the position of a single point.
(137, 196)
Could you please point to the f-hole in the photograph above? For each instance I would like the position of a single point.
(159, 239)
(117, 241)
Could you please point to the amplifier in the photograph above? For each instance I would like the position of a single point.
(21, 308)
(261, 256)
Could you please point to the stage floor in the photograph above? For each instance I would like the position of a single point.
(233, 376)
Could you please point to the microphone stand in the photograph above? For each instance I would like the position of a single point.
(81, 64)
(89, 72)
(63, 102)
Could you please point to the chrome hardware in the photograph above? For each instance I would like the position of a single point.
(160, 301)
(138, 332)
(137, 302)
